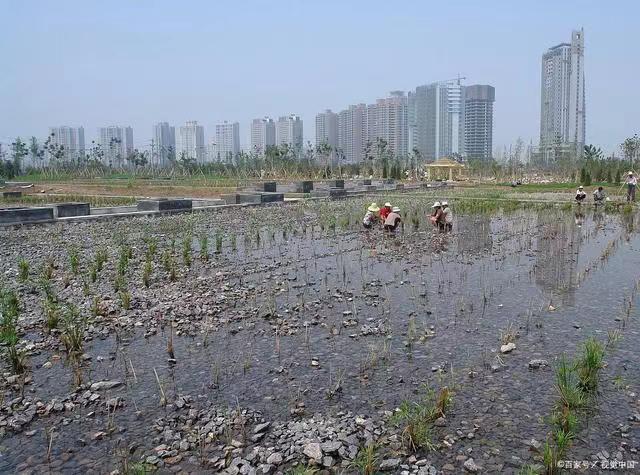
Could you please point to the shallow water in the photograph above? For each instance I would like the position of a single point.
(457, 292)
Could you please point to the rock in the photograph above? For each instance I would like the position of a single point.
(328, 461)
(313, 451)
(275, 458)
(537, 363)
(440, 422)
(447, 467)
(470, 466)
(47, 365)
(261, 427)
(330, 447)
(389, 464)
(105, 385)
(508, 348)
(98, 435)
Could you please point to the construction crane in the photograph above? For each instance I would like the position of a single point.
(458, 79)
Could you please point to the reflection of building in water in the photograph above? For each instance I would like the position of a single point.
(474, 233)
(556, 265)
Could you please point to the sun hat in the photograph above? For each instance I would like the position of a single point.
(395, 209)
(436, 204)
(387, 204)
(630, 173)
(445, 203)
(580, 187)
(373, 208)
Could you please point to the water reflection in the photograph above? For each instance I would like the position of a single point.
(474, 233)
(558, 246)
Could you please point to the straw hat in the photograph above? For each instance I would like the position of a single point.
(387, 204)
(580, 187)
(630, 173)
(395, 209)
(373, 208)
(436, 204)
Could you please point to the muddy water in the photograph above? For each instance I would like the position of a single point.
(439, 307)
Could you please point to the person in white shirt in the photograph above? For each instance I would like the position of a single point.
(632, 184)
(580, 194)
(372, 216)
(448, 216)
(599, 196)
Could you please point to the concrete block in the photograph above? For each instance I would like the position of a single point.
(336, 183)
(254, 198)
(271, 197)
(337, 192)
(366, 182)
(370, 188)
(268, 186)
(66, 210)
(114, 210)
(400, 186)
(12, 194)
(388, 181)
(319, 193)
(207, 202)
(304, 187)
(230, 198)
(163, 204)
(25, 215)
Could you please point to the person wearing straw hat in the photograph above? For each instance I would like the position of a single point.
(580, 194)
(447, 217)
(385, 211)
(393, 220)
(372, 216)
(632, 184)
(437, 217)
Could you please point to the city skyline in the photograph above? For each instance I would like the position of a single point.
(506, 57)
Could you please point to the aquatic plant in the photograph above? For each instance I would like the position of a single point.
(74, 260)
(17, 359)
(125, 299)
(186, 250)
(47, 269)
(367, 460)
(146, 273)
(589, 364)
(73, 329)
(100, 259)
(219, 237)
(23, 270)
(51, 313)
(416, 418)
(204, 247)
(301, 469)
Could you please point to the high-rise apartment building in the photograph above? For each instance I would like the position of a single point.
(352, 133)
(116, 143)
(190, 142)
(436, 114)
(163, 148)
(70, 139)
(227, 142)
(562, 108)
(327, 128)
(263, 135)
(478, 121)
(289, 132)
(387, 119)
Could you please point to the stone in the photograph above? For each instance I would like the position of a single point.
(268, 186)
(508, 348)
(328, 461)
(304, 187)
(389, 464)
(313, 451)
(47, 365)
(537, 363)
(261, 427)
(105, 385)
(440, 422)
(447, 467)
(470, 466)
(330, 447)
(275, 458)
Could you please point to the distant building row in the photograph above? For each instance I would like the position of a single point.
(435, 120)
(187, 142)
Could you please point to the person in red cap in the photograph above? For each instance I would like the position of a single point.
(385, 211)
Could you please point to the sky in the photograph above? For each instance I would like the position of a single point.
(138, 62)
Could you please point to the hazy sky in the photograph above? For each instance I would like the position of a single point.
(96, 63)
